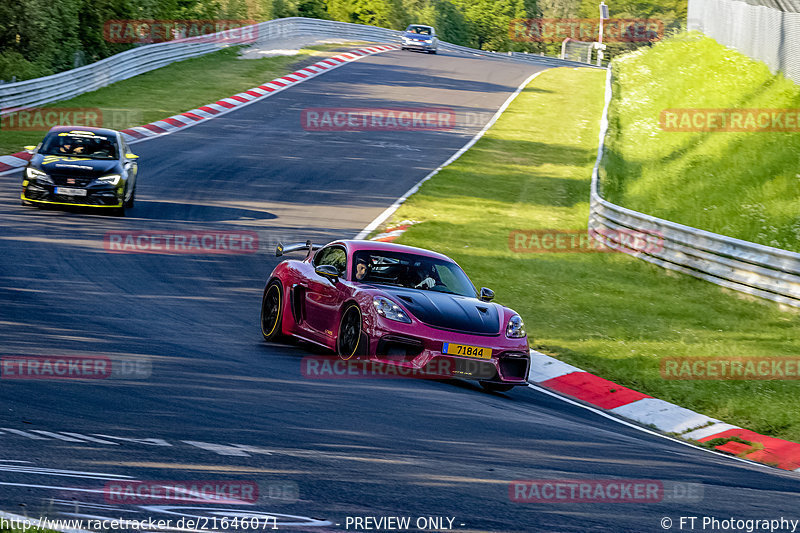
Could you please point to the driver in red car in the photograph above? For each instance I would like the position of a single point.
(427, 274)
(362, 270)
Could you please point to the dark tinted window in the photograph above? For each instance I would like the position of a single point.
(80, 144)
(421, 30)
(411, 271)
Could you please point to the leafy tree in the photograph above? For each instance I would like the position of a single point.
(316, 9)
(384, 13)
(451, 24)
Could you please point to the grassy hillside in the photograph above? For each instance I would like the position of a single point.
(742, 184)
(608, 313)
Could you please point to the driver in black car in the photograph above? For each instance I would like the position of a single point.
(70, 147)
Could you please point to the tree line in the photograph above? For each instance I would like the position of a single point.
(42, 37)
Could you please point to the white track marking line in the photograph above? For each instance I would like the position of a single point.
(396, 205)
(63, 473)
(149, 442)
(90, 439)
(221, 449)
(55, 435)
(52, 487)
(93, 505)
(24, 434)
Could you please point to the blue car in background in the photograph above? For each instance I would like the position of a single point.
(422, 38)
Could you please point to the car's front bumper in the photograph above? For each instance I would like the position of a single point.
(96, 196)
(419, 45)
(421, 347)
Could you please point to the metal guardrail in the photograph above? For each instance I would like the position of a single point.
(743, 266)
(65, 85)
(764, 32)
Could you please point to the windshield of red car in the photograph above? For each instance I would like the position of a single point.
(411, 271)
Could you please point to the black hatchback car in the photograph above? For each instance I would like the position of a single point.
(81, 166)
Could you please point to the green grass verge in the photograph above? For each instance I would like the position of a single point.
(746, 185)
(175, 88)
(607, 313)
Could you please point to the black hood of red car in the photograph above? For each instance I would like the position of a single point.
(448, 311)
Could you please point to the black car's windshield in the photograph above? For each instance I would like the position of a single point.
(419, 30)
(411, 271)
(80, 144)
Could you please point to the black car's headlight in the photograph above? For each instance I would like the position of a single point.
(515, 328)
(111, 179)
(388, 309)
(37, 175)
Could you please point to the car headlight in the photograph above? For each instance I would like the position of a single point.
(112, 179)
(34, 174)
(388, 309)
(515, 328)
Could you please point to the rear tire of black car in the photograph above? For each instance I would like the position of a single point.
(272, 312)
(351, 340)
(432, 52)
(496, 387)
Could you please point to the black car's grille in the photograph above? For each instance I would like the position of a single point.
(84, 200)
(71, 180)
(34, 194)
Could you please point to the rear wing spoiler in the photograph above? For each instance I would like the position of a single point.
(296, 247)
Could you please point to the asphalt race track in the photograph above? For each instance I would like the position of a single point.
(214, 402)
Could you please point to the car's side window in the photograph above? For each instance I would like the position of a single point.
(332, 255)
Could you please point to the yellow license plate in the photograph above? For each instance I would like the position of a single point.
(467, 351)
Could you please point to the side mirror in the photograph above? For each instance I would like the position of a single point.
(328, 271)
(487, 295)
(131, 156)
(29, 149)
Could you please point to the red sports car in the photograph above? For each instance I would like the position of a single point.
(395, 304)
